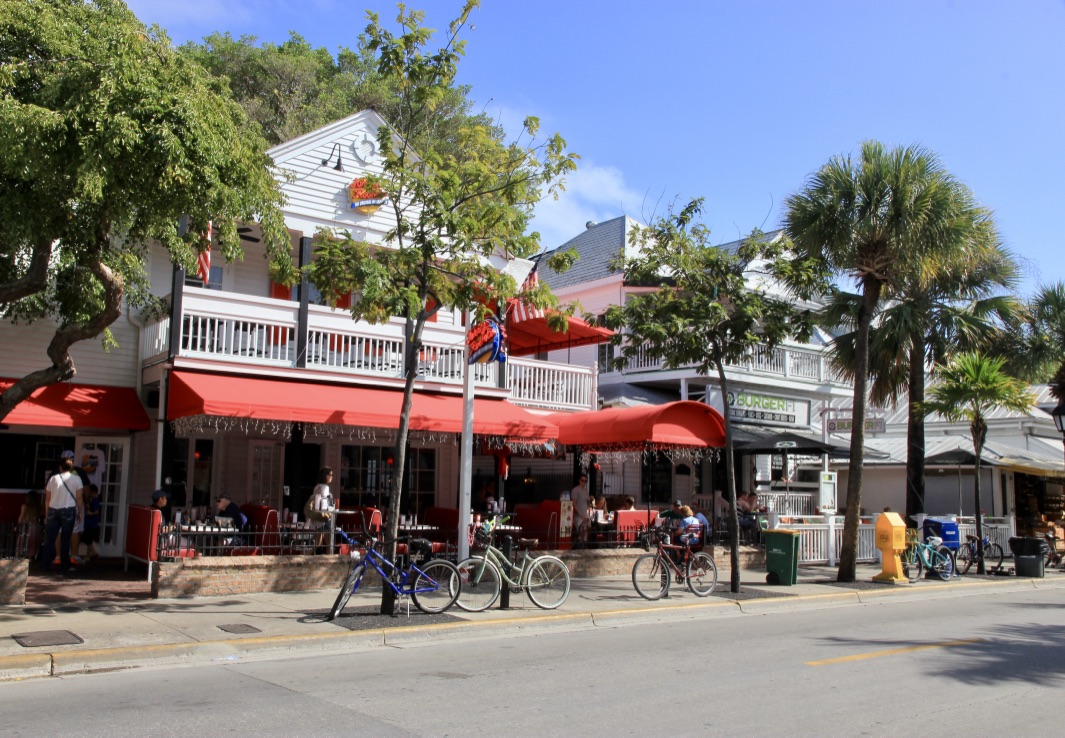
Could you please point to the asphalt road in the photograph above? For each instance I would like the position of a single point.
(943, 666)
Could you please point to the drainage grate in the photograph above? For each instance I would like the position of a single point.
(239, 628)
(47, 638)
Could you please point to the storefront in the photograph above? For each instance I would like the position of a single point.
(95, 422)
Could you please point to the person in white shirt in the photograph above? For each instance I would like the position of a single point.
(323, 506)
(63, 508)
(579, 495)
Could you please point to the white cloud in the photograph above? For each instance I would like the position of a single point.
(593, 193)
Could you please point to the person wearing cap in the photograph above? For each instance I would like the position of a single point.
(160, 501)
(63, 506)
(229, 509)
(669, 517)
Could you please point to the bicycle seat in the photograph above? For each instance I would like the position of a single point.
(970, 539)
(528, 542)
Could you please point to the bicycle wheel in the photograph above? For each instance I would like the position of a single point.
(966, 556)
(351, 583)
(436, 587)
(993, 556)
(650, 577)
(942, 561)
(480, 582)
(911, 564)
(702, 574)
(548, 582)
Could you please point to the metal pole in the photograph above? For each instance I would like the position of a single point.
(466, 454)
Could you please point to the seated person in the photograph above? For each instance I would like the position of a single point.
(669, 517)
(746, 505)
(161, 502)
(598, 514)
(683, 531)
(629, 503)
(229, 509)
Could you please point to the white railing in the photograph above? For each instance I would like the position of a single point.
(814, 541)
(788, 503)
(794, 363)
(547, 384)
(239, 328)
(155, 339)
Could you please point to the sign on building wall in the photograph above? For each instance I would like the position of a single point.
(753, 406)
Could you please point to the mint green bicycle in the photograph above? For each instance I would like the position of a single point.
(544, 578)
(931, 555)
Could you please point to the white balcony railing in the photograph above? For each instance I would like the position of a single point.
(262, 331)
(793, 363)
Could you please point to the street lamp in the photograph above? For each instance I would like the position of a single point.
(1058, 414)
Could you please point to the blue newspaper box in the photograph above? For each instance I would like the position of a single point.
(945, 529)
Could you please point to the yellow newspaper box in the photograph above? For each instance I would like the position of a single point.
(891, 540)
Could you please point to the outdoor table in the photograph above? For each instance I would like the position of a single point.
(409, 528)
(209, 538)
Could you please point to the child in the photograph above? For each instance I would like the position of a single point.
(91, 534)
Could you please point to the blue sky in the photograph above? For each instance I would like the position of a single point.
(739, 102)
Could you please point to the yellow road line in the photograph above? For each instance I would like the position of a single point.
(892, 652)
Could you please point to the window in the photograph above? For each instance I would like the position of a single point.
(366, 477)
(266, 474)
(657, 475)
(193, 280)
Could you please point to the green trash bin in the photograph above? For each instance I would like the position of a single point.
(782, 556)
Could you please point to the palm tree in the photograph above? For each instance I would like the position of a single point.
(1036, 350)
(878, 220)
(937, 314)
(969, 386)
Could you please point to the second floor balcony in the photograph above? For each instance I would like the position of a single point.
(268, 333)
(786, 362)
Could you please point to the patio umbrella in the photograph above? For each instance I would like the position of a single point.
(790, 442)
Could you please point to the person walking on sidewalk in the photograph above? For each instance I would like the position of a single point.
(62, 501)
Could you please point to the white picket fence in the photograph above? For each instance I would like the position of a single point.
(814, 541)
(814, 537)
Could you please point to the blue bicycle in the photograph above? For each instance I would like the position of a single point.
(432, 586)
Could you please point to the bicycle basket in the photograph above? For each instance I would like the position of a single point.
(478, 534)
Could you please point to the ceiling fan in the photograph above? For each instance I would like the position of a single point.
(243, 232)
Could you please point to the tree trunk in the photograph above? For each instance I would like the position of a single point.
(848, 554)
(915, 441)
(979, 431)
(412, 345)
(730, 481)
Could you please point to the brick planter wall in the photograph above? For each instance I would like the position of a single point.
(226, 575)
(234, 575)
(13, 576)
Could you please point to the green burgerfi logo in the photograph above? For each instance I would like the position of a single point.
(747, 401)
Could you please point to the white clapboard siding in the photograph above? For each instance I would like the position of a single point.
(116, 367)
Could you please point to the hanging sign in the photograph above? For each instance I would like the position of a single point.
(365, 198)
(487, 342)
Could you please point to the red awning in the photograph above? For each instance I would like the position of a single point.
(67, 405)
(684, 423)
(534, 335)
(309, 402)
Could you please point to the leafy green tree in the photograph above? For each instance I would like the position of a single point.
(292, 88)
(458, 203)
(878, 220)
(107, 137)
(711, 308)
(935, 314)
(1035, 349)
(970, 386)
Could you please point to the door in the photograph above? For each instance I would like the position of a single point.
(106, 462)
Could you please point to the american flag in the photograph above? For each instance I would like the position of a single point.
(520, 309)
(203, 261)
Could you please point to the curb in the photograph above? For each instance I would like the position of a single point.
(84, 661)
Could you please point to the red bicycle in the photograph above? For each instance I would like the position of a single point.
(654, 572)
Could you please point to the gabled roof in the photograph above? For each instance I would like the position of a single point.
(368, 120)
(597, 247)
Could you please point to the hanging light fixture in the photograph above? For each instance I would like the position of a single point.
(339, 165)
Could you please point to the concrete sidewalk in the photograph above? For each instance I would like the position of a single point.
(125, 634)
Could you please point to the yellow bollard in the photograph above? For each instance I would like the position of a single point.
(891, 540)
